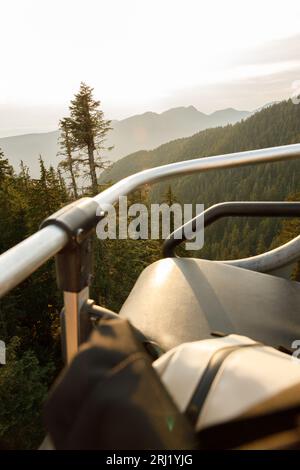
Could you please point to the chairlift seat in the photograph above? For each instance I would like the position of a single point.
(176, 300)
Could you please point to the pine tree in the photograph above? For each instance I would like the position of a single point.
(24, 176)
(10, 205)
(170, 199)
(5, 168)
(169, 196)
(69, 164)
(89, 130)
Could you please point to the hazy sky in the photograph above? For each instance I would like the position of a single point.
(143, 55)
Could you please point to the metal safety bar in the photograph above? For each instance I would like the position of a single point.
(66, 233)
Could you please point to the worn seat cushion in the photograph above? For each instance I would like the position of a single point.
(176, 300)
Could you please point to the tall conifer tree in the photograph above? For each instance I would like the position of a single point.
(69, 163)
(89, 130)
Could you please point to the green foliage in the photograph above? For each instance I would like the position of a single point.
(6, 169)
(29, 312)
(69, 164)
(290, 228)
(23, 385)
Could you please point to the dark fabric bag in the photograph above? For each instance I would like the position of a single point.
(110, 397)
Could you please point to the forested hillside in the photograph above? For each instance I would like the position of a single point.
(276, 125)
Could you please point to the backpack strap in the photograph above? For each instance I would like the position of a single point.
(201, 392)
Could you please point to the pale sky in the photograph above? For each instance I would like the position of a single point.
(143, 55)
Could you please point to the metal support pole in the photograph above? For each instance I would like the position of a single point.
(74, 267)
(73, 304)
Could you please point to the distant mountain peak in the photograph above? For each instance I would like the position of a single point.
(139, 132)
(228, 110)
(180, 108)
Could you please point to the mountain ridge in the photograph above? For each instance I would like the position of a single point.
(212, 141)
(138, 132)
